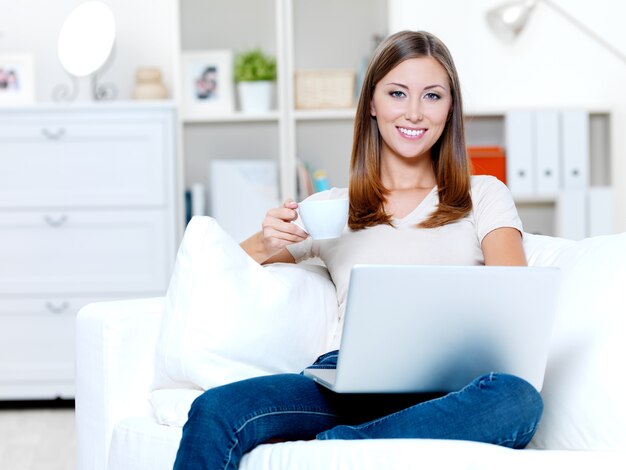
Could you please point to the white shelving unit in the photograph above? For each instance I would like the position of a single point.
(235, 118)
(546, 213)
(325, 114)
(290, 30)
(303, 35)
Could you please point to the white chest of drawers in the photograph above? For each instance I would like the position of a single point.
(87, 212)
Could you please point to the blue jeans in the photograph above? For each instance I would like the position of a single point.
(226, 422)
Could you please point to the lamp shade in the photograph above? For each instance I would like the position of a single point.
(509, 19)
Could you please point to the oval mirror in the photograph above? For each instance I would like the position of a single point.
(86, 38)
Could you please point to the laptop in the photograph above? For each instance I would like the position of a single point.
(412, 329)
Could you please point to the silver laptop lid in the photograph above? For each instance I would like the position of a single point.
(436, 328)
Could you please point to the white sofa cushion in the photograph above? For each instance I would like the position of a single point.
(227, 318)
(584, 382)
(171, 406)
(141, 444)
(419, 454)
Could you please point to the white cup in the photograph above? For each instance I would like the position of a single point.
(324, 219)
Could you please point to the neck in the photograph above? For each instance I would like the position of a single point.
(401, 173)
(403, 177)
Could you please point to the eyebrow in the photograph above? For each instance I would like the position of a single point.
(429, 87)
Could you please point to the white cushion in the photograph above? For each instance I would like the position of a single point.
(418, 454)
(139, 443)
(584, 382)
(379, 454)
(171, 406)
(227, 318)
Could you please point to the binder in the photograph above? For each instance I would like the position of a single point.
(304, 186)
(572, 214)
(198, 206)
(547, 152)
(488, 160)
(188, 210)
(600, 220)
(520, 161)
(575, 143)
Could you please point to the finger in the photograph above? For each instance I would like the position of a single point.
(296, 230)
(284, 238)
(283, 213)
(281, 229)
(290, 204)
(287, 227)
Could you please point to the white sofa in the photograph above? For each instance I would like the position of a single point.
(584, 425)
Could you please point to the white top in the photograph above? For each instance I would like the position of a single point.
(458, 243)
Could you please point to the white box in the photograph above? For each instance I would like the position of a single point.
(241, 193)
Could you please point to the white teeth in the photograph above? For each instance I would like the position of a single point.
(411, 132)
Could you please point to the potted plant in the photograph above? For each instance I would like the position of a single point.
(254, 73)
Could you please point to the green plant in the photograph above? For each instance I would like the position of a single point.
(254, 65)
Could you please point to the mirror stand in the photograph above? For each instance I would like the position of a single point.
(99, 91)
(103, 91)
(65, 93)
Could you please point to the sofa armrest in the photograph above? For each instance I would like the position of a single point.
(115, 364)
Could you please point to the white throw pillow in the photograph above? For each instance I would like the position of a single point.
(227, 318)
(171, 406)
(585, 381)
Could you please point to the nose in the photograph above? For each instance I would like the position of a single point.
(413, 111)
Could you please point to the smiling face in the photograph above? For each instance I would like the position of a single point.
(411, 105)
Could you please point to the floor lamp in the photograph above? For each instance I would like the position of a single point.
(509, 19)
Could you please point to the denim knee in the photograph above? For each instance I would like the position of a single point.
(519, 404)
(209, 408)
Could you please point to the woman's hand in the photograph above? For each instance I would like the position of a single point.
(277, 232)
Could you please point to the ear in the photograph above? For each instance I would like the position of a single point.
(372, 108)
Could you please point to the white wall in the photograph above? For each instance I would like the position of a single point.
(146, 36)
(552, 63)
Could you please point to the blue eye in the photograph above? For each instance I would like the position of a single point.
(397, 94)
(432, 96)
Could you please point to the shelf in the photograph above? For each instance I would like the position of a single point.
(235, 117)
(545, 199)
(120, 105)
(499, 112)
(324, 114)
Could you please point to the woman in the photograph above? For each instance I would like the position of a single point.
(412, 201)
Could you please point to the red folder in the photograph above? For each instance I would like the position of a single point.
(488, 161)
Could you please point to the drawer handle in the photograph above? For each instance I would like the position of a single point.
(51, 135)
(56, 309)
(56, 222)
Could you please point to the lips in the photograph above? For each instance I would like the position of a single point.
(411, 133)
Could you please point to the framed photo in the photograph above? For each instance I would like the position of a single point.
(16, 79)
(207, 84)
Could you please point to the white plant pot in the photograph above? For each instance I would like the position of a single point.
(255, 97)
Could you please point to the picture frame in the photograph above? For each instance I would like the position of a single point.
(207, 84)
(17, 81)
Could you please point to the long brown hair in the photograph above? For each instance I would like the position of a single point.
(449, 156)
